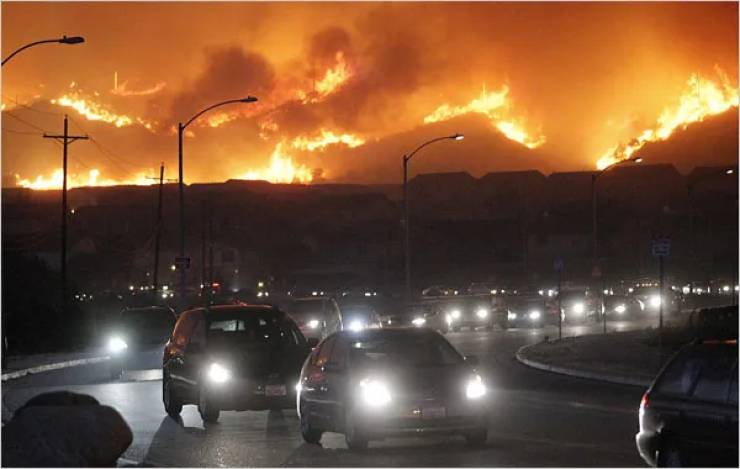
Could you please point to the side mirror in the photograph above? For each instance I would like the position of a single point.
(472, 360)
(313, 342)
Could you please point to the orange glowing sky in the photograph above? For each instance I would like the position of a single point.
(345, 90)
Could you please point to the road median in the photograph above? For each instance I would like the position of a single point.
(629, 358)
(29, 365)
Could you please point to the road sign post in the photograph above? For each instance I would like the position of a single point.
(661, 248)
(559, 270)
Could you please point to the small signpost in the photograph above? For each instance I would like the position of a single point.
(661, 248)
(558, 264)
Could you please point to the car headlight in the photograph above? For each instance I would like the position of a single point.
(534, 315)
(482, 313)
(579, 308)
(455, 313)
(655, 301)
(418, 322)
(620, 309)
(313, 323)
(356, 325)
(374, 393)
(218, 373)
(475, 389)
(117, 345)
(511, 316)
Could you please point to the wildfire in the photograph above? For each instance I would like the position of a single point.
(334, 78)
(91, 179)
(96, 112)
(281, 169)
(326, 138)
(496, 106)
(701, 99)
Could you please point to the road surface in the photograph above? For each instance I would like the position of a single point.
(538, 418)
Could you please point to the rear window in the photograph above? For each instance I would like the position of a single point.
(251, 327)
(702, 372)
(406, 350)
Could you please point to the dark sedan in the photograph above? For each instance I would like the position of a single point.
(689, 416)
(232, 358)
(374, 384)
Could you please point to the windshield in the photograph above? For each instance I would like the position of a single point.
(405, 350)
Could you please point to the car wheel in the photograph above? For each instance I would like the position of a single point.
(208, 412)
(477, 438)
(309, 433)
(669, 455)
(353, 437)
(172, 404)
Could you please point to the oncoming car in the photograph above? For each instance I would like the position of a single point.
(471, 312)
(137, 337)
(378, 383)
(527, 310)
(232, 358)
(358, 316)
(316, 317)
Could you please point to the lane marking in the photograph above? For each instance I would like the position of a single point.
(53, 366)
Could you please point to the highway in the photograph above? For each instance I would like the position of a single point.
(538, 418)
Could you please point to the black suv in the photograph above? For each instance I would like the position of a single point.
(233, 358)
(689, 416)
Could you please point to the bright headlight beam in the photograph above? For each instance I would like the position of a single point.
(482, 313)
(620, 309)
(511, 316)
(579, 308)
(356, 325)
(117, 345)
(313, 323)
(655, 301)
(475, 389)
(534, 314)
(374, 393)
(455, 313)
(218, 373)
(418, 322)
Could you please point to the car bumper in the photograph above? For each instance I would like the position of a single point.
(243, 395)
(411, 420)
(647, 445)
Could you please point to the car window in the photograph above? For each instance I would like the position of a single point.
(406, 350)
(250, 327)
(715, 377)
(680, 375)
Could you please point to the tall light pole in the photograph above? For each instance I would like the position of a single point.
(690, 192)
(406, 158)
(62, 40)
(182, 262)
(594, 225)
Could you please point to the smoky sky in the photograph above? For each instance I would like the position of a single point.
(585, 75)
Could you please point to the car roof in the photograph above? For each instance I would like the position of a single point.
(396, 332)
(259, 308)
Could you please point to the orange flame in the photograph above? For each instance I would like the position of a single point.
(326, 138)
(496, 106)
(281, 169)
(97, 112)
(92, 179)
(334, 77)
(701, 99)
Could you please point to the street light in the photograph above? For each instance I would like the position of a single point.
(180, 132)
(406, 158)
(62, 40)
(690, 192)
(594, 218)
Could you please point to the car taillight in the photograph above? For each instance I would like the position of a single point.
(644, 401)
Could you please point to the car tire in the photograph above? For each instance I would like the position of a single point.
(353, 437)
(309, 433)
(669, 455)
(208, 412)
(477, 438)
(172, 403)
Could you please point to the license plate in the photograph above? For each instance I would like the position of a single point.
(275, 390)
(433, 412)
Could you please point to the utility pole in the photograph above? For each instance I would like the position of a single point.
(158, 227)
(66, 139)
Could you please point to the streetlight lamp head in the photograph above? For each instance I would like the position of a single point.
(71, 40)
(248, 99)
(637, 160)
(458, 137)
(730, 171)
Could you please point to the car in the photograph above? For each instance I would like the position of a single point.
(526, 310)
(471, 311)
(689, 415)
(360, 315)
(620, 307)
(649, 300)
(137, 336)
(377, 383)
(579, 306)
(232, 358)
(316, 317)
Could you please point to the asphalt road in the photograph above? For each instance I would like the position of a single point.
(538, 419)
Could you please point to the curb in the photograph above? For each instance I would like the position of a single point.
(52, 366)
(614, 379)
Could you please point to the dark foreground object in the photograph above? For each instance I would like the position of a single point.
(64, 429)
